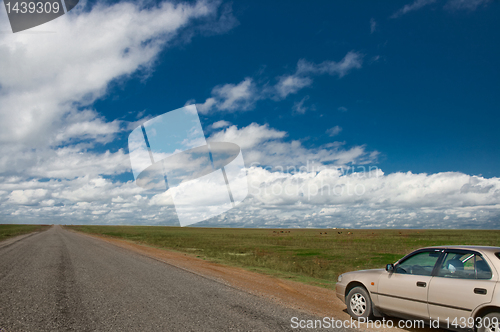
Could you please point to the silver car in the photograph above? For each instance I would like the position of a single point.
(457, 287)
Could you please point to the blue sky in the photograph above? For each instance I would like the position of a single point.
(409, 88)
(426, 97)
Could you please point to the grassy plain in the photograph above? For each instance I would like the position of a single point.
(313, 256)
(9, 230)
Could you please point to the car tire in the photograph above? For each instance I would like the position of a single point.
(493, 320)
(359, 303)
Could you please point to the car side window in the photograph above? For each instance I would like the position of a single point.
(483, 270)
(419, 264)
(464, 265)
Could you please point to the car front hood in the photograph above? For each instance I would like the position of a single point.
(372, 271)
(362, 275)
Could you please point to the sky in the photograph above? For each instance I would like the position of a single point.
(371, 115)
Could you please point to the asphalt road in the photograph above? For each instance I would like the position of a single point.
(59, 280)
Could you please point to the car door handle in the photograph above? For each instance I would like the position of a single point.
(481, 291)
(421, 284)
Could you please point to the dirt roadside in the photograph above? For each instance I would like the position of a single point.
(318, 301)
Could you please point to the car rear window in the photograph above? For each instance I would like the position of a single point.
(498, 255)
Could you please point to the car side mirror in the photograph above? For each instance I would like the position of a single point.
(389, 268)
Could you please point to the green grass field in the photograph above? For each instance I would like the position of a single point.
(7, 231)
(313, 256)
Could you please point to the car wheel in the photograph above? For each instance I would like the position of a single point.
(490, 323)
(359, 303)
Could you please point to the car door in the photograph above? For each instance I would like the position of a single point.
(404, 291)
(463, 281)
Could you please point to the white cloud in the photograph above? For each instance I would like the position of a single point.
(326, 197)
(27, 197)
(243, 96)
(265, 146)
(309, 197)
(45, 76)
(50, 165)
(373, 25)
(248, 137)
(87, 124)
(231, 97)
(49, 81)
(291, 84)
(443, 190)
(220, 124)
(81, 200)
(342, 109)
(298, 107)
(334, 131)
(416, 5)
(451, 5)
(352, 60)
(50, 171)
(470, 5)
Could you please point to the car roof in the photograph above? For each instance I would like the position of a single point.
(484, 249)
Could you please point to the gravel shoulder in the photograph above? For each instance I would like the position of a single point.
(317, 301)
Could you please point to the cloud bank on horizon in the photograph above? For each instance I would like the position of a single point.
(63, 150)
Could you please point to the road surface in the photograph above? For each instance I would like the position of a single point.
(60, 280)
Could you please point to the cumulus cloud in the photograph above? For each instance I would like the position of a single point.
(367, 198)
(310, 196)
(231, 97)
(247, 137)
(52, 156)
(45, 76)
(289, 186)
(48, 82)
(266, 146)
(291, 84)
(243, 96)
(27, 197)
(86, 125)
(80, 200)
(220, 124)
